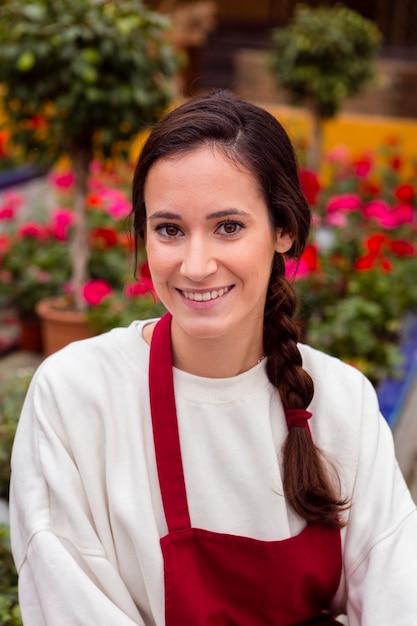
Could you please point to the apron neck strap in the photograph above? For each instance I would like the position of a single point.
(165, 428)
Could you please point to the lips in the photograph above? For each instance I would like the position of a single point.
(205, 296)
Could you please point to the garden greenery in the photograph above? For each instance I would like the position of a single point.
(321, 57)
(81, 77)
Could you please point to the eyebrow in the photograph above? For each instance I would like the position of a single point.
(168, 215)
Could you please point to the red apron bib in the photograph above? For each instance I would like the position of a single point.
(214, 579)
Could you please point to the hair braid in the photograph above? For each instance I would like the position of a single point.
(306, 480)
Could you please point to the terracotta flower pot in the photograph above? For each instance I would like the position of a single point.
(60, 323)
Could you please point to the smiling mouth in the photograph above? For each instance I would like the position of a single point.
(205, 296)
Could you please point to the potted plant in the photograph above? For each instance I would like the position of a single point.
(323, 56)
(356, 279)
(36, 266)
(82, 79)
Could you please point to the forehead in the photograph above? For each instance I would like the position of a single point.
(204, 166)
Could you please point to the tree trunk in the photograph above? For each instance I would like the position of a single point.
(80, 153)
(315, 151)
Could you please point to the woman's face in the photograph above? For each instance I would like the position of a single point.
(210, 243)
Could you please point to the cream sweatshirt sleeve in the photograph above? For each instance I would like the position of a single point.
(65, 575)
(380, 556)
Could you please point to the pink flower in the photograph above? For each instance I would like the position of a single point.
(308, 263)
(363, 165)
(12, 201)
(338, 154)
(338, 218)
(344, 202)
(387, 217)
(95, 291)
(403, 214)
(61, 220)
(32, 229)
(6, 213)
(117, 204)
(64, 180)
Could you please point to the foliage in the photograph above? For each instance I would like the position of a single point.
(86, 69)
(82, 77)
(12, 395)
(324, 55)
(9, 607)
(34, 262)
(321, 57)
(356, 280)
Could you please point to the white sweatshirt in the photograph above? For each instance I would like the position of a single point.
(86, 510)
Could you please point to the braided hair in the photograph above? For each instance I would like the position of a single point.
(253, 138)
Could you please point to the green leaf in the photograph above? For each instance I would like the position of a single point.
(26, 61)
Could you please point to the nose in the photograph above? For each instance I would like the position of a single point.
(198, 262)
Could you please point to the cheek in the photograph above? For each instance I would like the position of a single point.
(160, 260)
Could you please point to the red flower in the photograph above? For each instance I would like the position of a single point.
(369, 188)
(310, 185)
(95, 291)
(37, 121)
(94, 199)
(404, 193)
(375, 243)
(4, 141)
(401, 247)
(309, 262)
(144, 270)
(4, 243)
(396, 163)
(136, 289)
(369, 261)
(104, 238)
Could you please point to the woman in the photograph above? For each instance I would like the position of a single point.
(205, 469)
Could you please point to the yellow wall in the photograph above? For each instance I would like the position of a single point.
(358, 132)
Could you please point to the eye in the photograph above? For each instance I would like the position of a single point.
(229, 228)
(168, 230)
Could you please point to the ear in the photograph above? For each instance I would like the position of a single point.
(283, 241)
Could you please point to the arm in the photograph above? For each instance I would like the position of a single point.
(61, 542)
(381, 540)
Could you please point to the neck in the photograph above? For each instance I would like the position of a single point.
(222, 357)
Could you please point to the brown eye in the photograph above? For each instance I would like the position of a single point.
(168, 230)
(171, 231)
(230, 228)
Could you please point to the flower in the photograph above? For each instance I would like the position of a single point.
(35, 253)
(356, 279)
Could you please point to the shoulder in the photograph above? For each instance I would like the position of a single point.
(331, 372)
(345, 403)
(115, 356)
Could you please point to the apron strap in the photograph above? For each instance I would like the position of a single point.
(165, 428)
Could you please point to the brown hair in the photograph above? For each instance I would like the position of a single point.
(254, 138)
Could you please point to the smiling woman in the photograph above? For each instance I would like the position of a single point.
(207, 468)
(210, 246)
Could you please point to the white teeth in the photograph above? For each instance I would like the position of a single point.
(206, 296)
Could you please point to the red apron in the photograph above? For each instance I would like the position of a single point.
(215, 579)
